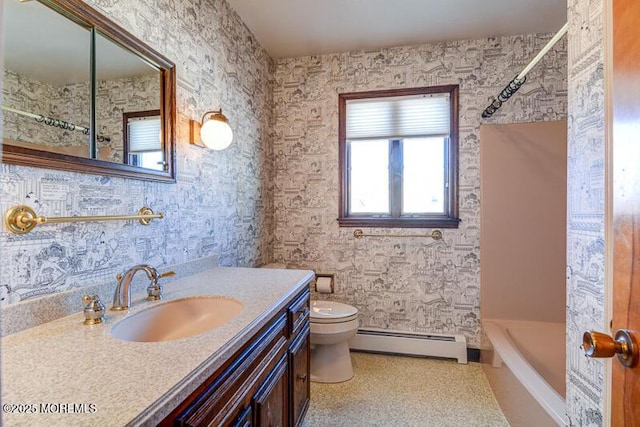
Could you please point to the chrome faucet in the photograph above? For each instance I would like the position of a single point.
(122, 296)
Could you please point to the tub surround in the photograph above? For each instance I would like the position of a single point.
(523, 305)
(64, 361)
(524, 181)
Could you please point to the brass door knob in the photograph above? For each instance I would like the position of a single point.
(596, 344)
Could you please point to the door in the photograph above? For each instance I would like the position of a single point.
(300, 389)
(625, 390)
(624, 80)
(271, 401)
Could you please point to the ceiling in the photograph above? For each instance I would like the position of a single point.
(289, 28)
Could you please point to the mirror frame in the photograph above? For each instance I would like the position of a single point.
(86, 16)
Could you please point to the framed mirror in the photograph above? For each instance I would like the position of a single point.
(82, 94)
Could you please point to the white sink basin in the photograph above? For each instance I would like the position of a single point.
(176, 319)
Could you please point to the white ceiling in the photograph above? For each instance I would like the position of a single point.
(289, 28)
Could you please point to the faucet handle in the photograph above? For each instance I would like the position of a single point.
(93, 310)
(154, 290)
(167, 274)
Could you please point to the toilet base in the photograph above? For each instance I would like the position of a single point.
(331, 363)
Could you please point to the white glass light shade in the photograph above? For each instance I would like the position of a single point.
(216, 133)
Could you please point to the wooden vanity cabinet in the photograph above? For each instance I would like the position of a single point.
(300, 381)
(265, 383)
(299, 354)
(272, 407)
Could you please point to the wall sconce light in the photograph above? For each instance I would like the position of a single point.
(214, 133)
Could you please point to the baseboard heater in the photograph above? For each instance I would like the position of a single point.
(410, 343)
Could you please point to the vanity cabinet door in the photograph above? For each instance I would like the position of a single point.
(300, 387)
(271, 401)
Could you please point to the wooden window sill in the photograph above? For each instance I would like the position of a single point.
(441, 222)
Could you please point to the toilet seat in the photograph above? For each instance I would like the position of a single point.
(332, 312)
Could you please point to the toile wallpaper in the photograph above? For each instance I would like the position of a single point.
(219, 204)
(70, 103)
(405, 284)
(585, 210)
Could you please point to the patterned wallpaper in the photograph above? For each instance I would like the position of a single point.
(585, 210)
(219, 205)
(70, 103)
(407, 284)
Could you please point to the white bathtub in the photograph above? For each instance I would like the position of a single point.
(534, 353)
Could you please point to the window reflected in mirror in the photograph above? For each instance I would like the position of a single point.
(142, 139)
(125, 85)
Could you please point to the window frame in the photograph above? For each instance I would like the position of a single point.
(125, 133)
(448, 219)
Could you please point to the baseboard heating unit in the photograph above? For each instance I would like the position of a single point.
(411, 343)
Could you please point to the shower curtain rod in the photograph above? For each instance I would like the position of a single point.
(55, 122)
(519, 80)
(48, 120)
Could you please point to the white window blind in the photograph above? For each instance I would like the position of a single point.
(397, 117)
(144, 134)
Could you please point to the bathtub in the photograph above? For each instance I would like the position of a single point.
(527, 370)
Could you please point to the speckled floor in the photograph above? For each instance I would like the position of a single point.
(389, 391)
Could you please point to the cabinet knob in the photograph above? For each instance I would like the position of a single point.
(303, 377)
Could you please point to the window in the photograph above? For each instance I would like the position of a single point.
(399, 158)
(142, 139)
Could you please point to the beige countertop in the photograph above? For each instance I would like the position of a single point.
(81, 375)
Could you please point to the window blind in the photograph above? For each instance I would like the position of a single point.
(397, 117)
(144, 134)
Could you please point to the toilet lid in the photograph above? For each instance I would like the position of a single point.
(332, 312)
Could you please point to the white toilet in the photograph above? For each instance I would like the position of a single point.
(332, 325)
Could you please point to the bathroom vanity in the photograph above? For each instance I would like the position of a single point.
(265, 383)
(253, 370)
